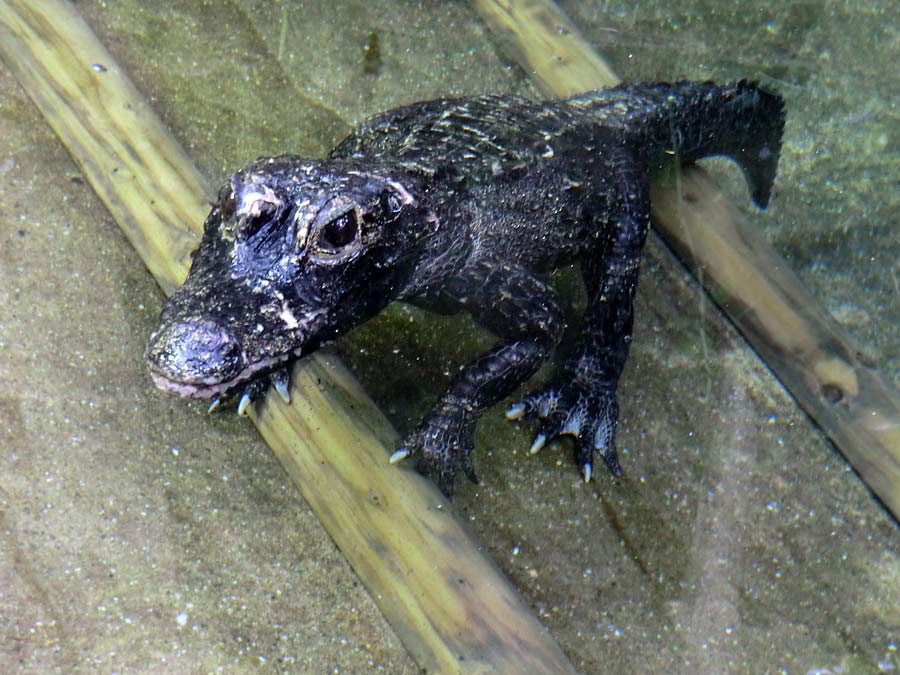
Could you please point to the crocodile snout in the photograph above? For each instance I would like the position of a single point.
(195, 358)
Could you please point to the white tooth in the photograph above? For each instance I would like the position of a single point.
(587, 472)
(399, 456)
(244, 404)
(216, 402)
(539, 441)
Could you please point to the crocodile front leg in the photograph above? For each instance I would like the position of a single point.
(580, 400)
(524, 312)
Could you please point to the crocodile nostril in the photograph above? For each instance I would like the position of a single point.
(198, 352)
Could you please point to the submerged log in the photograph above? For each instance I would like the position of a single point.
(807, 350)
(450, 606)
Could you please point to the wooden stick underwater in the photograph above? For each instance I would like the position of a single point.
(807, 350)
(447, 601)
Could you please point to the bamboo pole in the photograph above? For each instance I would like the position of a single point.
(448, 603)
(806, 349)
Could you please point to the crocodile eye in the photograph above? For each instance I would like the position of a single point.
(227, 202)
(340, 231)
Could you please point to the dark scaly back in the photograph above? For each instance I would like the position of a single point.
(487, 135)
(494, 135)
(740, 120)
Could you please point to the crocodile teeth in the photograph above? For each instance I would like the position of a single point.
(216, 402)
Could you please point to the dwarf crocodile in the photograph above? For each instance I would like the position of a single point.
(458, 204)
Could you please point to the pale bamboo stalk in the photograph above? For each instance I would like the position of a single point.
(547, 45)
(810, 353)
(798, 340)
(450, 606)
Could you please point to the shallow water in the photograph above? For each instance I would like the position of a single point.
(142, 536)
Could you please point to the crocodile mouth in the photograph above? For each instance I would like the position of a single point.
(212, 386)
(200, 358)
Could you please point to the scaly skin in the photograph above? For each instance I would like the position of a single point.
(458, 204)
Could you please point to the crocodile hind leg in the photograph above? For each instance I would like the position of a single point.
(580, 399)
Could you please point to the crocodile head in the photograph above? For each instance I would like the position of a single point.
(293, 253)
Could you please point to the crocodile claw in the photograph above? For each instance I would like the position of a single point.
(538, 443)
(399, 456)
(590, 417)
(252, 393)
(281, 380)
(443, 443)
(256, 390)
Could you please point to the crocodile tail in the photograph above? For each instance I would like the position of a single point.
(740, 120)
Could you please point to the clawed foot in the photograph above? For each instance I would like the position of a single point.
(256, 390)
(589, 416)
(443, 443)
